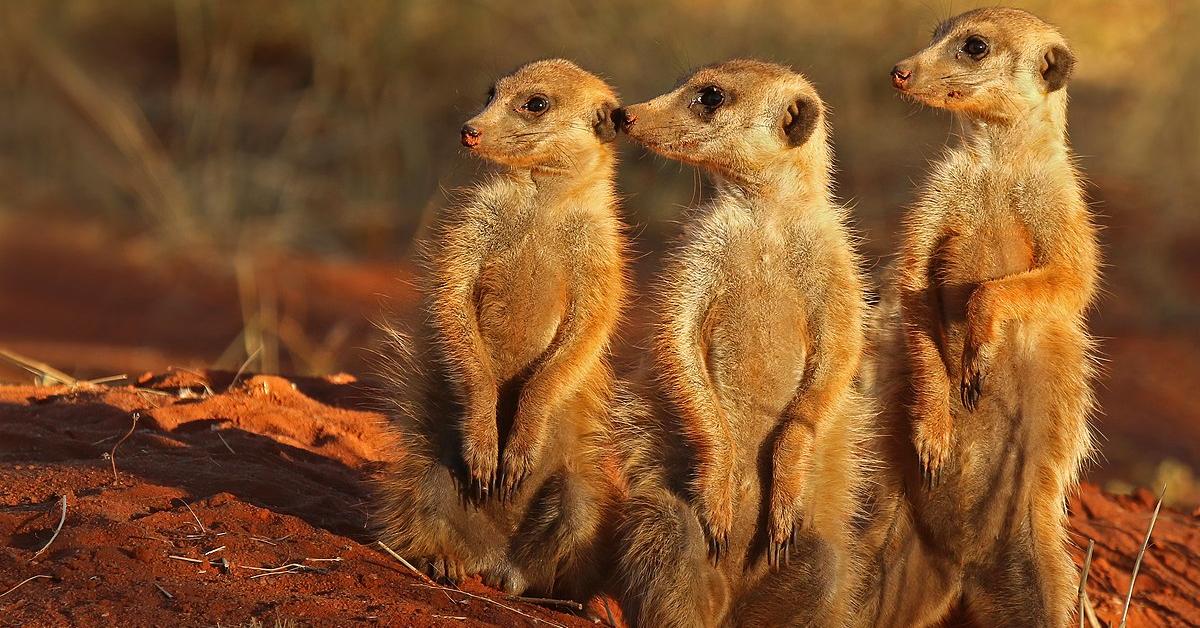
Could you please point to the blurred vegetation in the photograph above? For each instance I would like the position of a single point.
(330, 126)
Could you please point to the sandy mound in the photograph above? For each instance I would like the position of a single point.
(216, 492)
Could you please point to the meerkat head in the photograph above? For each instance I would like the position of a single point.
(988, 63)
(740, 119)
(547, 114)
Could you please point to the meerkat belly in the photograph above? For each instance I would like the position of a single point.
(520, 299)
(756, 346)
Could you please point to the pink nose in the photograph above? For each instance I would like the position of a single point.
(900, 77)
(470, 136)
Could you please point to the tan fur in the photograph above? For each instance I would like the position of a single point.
(503, 406)
(746, 445)
(984, 350)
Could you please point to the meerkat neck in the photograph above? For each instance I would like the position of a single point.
(587, 174)
(1039, 136)
(799, 180)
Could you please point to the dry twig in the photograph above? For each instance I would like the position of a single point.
(1137, 564)
(546, 601)
(44, 372)
(61, 521)
(224, 442)
(489, 600)
(22, 583)
(242, 369)
(112, 455)
(203, 530)
(1083, 578)
(400, 558)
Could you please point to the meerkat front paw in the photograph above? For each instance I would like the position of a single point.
(480, 451)
(520, 458)
(443, 568)
(716, 516)
(785, 519)
(982, 330)
(974, 367)
(932, 435)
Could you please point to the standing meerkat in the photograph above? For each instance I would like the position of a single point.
(991, 367)
(502, 400)
(745, 463)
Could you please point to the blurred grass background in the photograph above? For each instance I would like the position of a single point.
(204, 181)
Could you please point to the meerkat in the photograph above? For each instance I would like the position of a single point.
(986, 349)
(745, 468)
(501, 401)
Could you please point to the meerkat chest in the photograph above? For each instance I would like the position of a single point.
(987, 239)
(757, 328)
(520, 300)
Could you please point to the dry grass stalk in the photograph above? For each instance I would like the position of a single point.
(23, 582)
(45, 373)
(61, 521)
(112, 455)
(1137, 564)
(1083, 578)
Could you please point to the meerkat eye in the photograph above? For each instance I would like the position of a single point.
(711, 97)
(536, 104)
(491, 95)
(976, 47)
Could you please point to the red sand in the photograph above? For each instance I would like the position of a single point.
(273, 470)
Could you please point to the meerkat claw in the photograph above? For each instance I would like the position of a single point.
(971, 389)
(718, 547)
(930, 472)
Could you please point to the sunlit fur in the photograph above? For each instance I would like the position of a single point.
(997, 267)
(746, 426)
(502, 407)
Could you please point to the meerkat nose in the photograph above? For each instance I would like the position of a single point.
(470, 136)
(900, 76)
(623, 119)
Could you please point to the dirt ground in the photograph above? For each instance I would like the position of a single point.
(211, 495)
(250, 503)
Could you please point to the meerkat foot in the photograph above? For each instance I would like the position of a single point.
(443, 568)
(505, 578)
(932, 438)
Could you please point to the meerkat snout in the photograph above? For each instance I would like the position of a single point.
(901, 72)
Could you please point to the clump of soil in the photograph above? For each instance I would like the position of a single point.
(248, 500)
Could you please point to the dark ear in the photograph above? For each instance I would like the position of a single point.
(605, 124)
(1057, 64)
(800, 119)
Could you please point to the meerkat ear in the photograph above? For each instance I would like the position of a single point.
(1057, 64)
(605, 124)
(799, 120)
